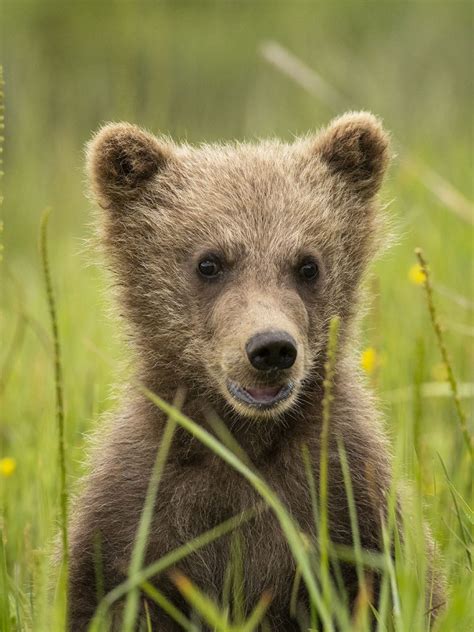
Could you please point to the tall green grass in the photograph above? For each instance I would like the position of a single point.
(196, 71)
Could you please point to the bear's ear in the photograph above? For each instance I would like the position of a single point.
(121, 159)
(356, 147)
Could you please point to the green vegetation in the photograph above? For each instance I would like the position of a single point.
(201, 72)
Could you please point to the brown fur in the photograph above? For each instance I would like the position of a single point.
(261, 208)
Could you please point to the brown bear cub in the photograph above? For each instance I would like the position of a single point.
(231, 261)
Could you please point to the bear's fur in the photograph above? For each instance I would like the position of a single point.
(261, 211)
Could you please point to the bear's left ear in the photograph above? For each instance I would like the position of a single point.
(355, 147)
(121, 160)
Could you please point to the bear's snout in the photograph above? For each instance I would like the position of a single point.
(271, 350)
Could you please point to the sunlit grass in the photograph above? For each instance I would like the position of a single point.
(196, 72)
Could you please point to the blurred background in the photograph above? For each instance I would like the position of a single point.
(212, 71)
(195, 70)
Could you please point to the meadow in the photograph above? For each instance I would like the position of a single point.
(205, 71)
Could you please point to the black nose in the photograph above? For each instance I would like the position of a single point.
(271, 350)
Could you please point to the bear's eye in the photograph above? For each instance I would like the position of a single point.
(210, 267)
(309, 270)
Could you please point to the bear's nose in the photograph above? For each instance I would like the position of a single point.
(271, 350)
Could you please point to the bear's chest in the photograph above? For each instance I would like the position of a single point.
(197, 499)
(256, 555)
(202, 499)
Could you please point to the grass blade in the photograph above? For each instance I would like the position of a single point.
(352, 513)
(141, 539)
(200, 602)
(391, 575)
(4, 589)
(258, 613)
(465, 535)
(168, 607)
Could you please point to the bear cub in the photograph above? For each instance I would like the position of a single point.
(230, 262)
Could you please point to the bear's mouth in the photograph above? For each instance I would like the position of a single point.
(260, 396)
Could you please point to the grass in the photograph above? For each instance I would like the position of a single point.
(58, 382)
(198, 71)
(323, 522)
(444, 353)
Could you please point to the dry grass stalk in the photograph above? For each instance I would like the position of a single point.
(58, 381)
(444, 352)
(330, 367)
(302, 74)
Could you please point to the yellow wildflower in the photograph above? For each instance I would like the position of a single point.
(7, 466)
(416, 274)
(369, 360)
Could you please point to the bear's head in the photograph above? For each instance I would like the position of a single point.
(232, 259)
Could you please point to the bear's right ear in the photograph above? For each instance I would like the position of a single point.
(121, 160)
